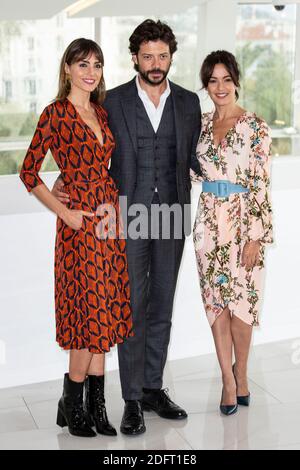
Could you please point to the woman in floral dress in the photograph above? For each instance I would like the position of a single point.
(233, 223)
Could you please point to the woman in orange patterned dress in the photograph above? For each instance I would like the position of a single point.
(92, 294)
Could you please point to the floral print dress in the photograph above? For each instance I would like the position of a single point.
(223, 225)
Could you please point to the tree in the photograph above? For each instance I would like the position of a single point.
(273, 90)
(4, 130)
(247, 55)
(266, 83)
(29, 124)
(8, 166)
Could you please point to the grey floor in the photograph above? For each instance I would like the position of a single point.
(28, 413)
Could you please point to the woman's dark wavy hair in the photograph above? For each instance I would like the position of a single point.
(151, 30)
(229, 62)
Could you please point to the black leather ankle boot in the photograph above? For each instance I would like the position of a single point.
(70, 409)
(95, 405)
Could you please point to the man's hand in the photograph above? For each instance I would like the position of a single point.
(250, 255)
(57, 191)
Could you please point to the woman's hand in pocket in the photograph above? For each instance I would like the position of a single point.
(74, 218)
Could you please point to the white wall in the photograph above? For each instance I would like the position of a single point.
(27, 325)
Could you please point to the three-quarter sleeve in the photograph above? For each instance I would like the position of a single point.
(195, 168)
(195, 177)
(37, 151)
(259, 209)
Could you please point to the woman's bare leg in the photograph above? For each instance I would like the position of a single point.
(79, 364)
(97, 365)
(221, 330)
(241, 334)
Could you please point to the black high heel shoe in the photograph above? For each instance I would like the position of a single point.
(243, 400)
(228, 409)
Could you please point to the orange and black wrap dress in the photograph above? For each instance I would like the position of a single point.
(92, 292)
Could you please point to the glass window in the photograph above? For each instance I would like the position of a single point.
(33, 107)
(31, 65)
(30, 87)
(60, 43)
(30, 43)
(7, 90)
(266, 53)
(29, 78)
(115, 33)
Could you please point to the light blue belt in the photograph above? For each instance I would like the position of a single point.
(222, 188)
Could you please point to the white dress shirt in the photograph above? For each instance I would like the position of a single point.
(154, 114)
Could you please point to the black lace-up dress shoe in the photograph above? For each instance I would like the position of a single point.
(160, 402)
(133, 419)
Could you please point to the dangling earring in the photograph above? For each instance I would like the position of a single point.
(68, 80)
(99, 87)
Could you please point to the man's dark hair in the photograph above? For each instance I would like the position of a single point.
(151, 30)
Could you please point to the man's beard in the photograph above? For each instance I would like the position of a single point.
(146, 76)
